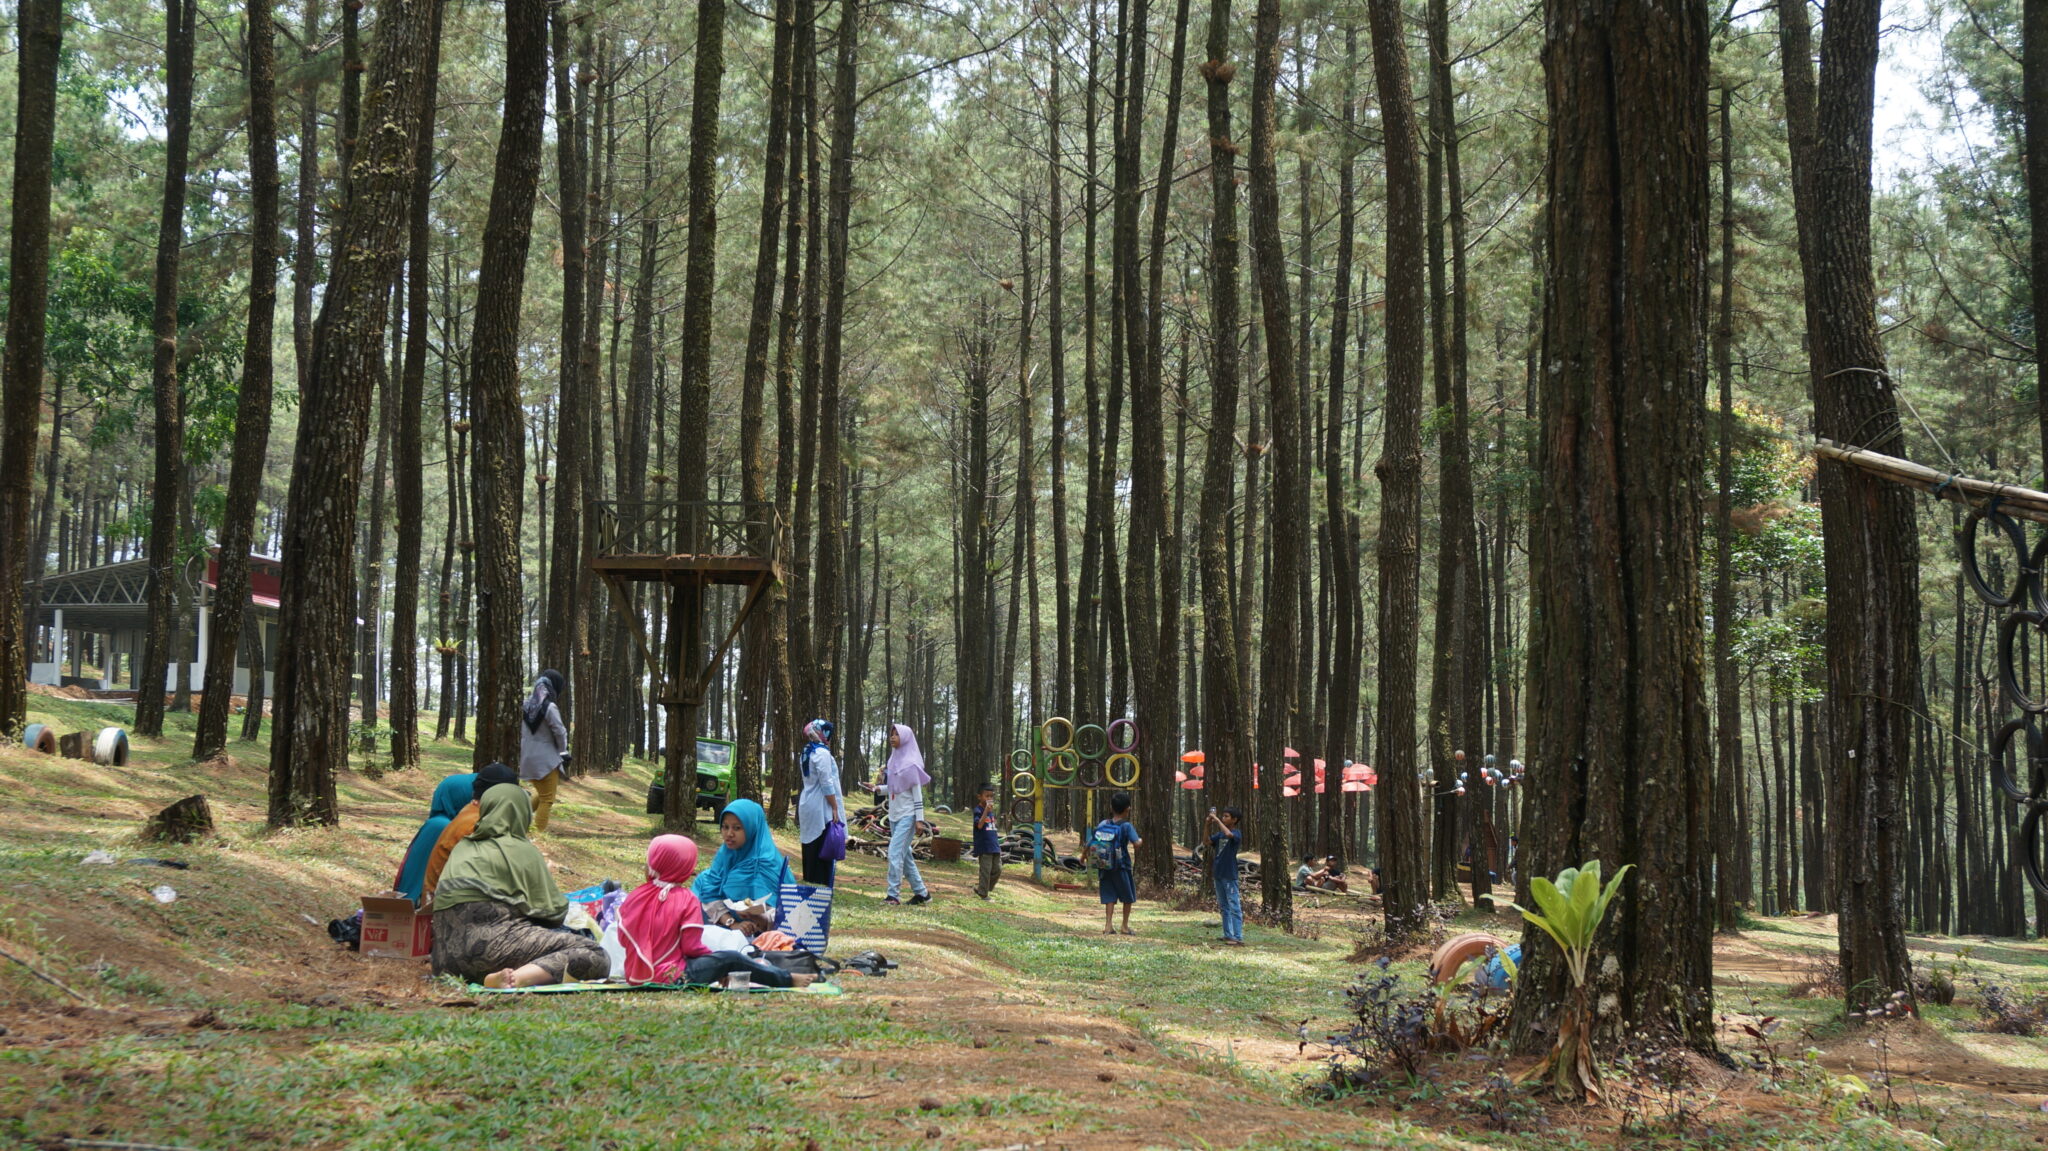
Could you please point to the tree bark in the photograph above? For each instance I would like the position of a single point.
(828, 613)
(499, 465)
(1620, 768)
(305, 241)
(309, 741)
(1404, 870)
(1056, 366)
(252, 402)
(1727, 695)
(686, 615)
(2034, 84)
(757, 652)
(1277, 685)
(570, 408)
(1341, 710)
(1872, 548)
(410, 473)
(785, 599)
(181, 20)
(40, 34)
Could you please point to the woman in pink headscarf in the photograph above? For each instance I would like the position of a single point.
(661, 925)
(904, 782)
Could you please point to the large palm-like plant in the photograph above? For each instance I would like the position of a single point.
(1572, 907)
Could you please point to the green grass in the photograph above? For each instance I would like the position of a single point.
(1015, 1020)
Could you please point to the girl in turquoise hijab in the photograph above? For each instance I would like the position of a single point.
(453, 794)
(748, 864)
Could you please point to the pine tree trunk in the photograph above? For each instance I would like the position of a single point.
(305, 241)
(1277, 687)
(181, 19)
(410, 472)
(1404, 868)
(1226, 743)
(370, 612)
(252, 402)
(786, 599)
(40, 33)
(1872, 548)
(498, 468)
(687, 602)
(828, 614)
(1727, 696)
(1056, 338)
(567, 473)
(1341, 710)
(1620, 768)
(757, 651)
(309, 741)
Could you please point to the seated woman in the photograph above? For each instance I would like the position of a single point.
(662, 927)
(458, 829)
(497, 911)
(449, 798)
(748, 868)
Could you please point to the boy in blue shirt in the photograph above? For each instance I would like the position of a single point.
(1111, 844)
(1225, 840)
(988, 849)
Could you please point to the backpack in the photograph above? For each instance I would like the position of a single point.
(1107, 841)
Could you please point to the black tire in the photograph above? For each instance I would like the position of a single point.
(2030, 847)
(1966, 542)
(2008, 679)
(2000, 743)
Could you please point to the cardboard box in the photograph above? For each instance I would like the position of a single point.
(394, 929)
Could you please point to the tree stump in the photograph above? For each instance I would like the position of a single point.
(71, 745)
(181, 822)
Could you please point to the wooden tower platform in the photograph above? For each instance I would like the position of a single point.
(686, 546)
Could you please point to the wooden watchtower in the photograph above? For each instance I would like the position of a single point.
(686, 546)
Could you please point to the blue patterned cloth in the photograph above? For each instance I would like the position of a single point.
(805, 914)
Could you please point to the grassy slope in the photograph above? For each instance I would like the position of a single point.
(225, 1019)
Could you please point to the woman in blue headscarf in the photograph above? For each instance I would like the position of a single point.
(748, 865)
(450, 797)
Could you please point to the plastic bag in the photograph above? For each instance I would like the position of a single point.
(614, 950)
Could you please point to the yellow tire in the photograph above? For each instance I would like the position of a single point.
(1045, 734)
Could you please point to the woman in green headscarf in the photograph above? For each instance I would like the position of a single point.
(497, 911)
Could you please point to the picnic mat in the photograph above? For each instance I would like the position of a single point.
(819, 988)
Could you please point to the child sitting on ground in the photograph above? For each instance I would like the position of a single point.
(1110, 845)
(988, 849)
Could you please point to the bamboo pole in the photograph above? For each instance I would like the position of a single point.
(2014, 500)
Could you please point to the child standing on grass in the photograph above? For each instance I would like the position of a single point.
(1225, 840)
(988, 850)
(1111, 845)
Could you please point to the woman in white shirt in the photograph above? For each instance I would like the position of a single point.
(819, 802)
(904, 784)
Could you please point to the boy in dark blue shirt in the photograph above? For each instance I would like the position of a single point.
(1225, 839)
(1111, 845)
(988, 849)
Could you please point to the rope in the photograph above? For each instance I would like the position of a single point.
(1936, 440)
